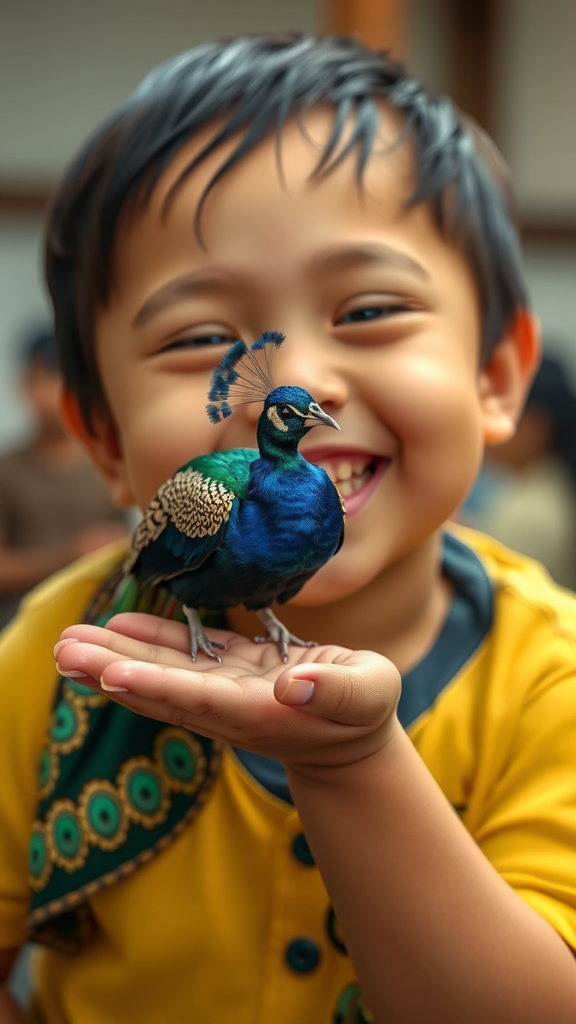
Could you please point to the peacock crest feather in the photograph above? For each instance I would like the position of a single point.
(244, 375)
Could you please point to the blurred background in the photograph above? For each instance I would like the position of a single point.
(65, 64)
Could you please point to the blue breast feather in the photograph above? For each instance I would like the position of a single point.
(284, 524)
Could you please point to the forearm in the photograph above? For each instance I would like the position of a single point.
(433, 931)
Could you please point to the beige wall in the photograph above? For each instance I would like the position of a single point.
(534, 88)
(65, 64)
(536, 110)
(534, 84)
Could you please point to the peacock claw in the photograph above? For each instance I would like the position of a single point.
(278, 634)
(198, 639)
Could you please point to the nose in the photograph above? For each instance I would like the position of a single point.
(310, 362)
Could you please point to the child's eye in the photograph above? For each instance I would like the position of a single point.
(366, 313)
(199, 341)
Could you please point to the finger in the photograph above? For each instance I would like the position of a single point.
(75, 658)
(211, 704)
(84, 661)
(75, 640)
(360, 689)
(229, 706)
(163, 632)
(181, 696)
(152, 630)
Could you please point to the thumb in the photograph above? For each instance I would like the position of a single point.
(359, 688)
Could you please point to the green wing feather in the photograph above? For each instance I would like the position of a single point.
(229, 468)
(186, 520)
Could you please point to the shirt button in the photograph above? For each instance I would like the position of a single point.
(302, 955)
(302, 851)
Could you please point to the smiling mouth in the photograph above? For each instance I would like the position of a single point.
(353, 474)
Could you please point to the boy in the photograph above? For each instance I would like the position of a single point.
(306, 186)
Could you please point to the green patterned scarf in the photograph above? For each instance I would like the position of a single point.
(115, 789)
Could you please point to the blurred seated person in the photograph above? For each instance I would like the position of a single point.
(526, 492)
(53, 507)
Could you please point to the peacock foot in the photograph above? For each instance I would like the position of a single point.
(278, 634)
(198, 638)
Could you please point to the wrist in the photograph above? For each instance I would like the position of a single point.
(350, 763)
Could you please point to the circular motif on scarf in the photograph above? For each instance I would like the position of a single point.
(143, 792)
(351, 1008)
(47, 771)
(104, 816)
(69, 726)
(39, 864)
(66, 836)
(74, 688)
(180, 759)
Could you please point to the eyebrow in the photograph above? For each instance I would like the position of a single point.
(331, 260)
(346, 258)
(177, 290)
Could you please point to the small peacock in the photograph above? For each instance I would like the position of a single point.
(244, 526)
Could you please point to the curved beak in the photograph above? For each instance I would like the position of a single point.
(317, 417)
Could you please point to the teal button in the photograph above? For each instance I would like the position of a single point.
(302, 851)
(302, 955)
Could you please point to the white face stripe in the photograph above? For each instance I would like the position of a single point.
(275, 419)
(297, 412)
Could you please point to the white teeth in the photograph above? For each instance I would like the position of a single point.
(346, 488)
(348, 469)
(350, 475)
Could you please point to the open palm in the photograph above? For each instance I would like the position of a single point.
(328, 705)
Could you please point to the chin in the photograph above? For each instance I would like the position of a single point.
(334, 582)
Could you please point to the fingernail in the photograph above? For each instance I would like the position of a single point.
(298, 691)
(64, 643)
(70, 674)
(112, 689)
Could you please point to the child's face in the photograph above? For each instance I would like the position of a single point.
(382, 324)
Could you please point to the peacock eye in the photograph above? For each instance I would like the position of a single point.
(285, 410)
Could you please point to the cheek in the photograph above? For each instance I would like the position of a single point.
(434, 413)
(159, 435)
(433, 408)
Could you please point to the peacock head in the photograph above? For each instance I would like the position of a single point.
(244, 375)
(289, 413)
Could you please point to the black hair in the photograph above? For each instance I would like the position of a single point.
(250, 87)
(38, 348)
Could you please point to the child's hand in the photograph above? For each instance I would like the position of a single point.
(329, 706)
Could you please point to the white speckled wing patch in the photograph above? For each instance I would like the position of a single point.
(195, 504)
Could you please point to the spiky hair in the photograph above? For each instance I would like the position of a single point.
(248, 89)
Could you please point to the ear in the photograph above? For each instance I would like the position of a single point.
(506, 377)
(102, 446)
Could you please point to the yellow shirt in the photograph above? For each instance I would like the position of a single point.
(231, 922)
